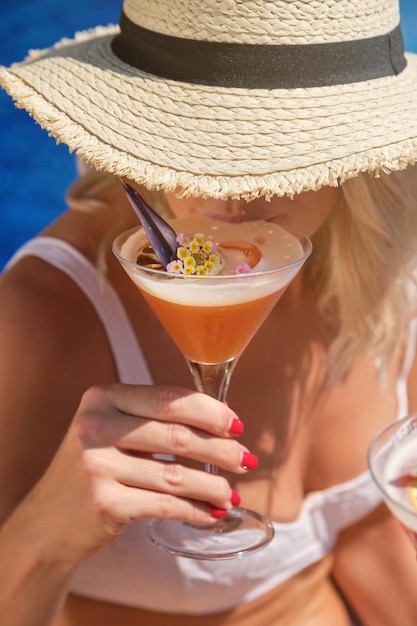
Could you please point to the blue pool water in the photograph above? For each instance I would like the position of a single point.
(34, 171)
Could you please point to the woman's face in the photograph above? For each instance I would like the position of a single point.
(306, 212)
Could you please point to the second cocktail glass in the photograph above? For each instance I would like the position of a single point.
(392, 460)
(212, 319)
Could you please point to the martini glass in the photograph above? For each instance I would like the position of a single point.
(392, 460)
(212, 318)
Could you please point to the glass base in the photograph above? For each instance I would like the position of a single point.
(241, 533)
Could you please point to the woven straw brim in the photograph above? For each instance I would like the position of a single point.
(213, 141)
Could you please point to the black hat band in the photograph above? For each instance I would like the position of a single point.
(252, 66)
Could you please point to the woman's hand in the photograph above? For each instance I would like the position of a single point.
(104, 474)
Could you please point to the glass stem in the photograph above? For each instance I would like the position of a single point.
(212, 379)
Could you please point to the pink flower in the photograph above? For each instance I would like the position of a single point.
(243, 268)
(175, 267)
(183, 240)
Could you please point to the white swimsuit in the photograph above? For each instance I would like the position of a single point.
(131, 570)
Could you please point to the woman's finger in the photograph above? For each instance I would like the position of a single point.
(154, 437)
(173, 404)
(100, 424)
(167, 477)
(133, 504)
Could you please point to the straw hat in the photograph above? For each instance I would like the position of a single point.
(231, 98)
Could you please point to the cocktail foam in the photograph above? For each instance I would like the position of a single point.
(280, 253)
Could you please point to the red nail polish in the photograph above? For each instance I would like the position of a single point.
(218, 513)
(236, 427)
(235, 498)
(249, 461)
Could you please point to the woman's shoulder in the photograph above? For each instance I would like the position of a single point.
(43, 313)
(83, 231)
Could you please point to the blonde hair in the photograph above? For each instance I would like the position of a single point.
(364, 267)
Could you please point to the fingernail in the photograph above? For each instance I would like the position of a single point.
(235, 498)
(249, 461)
(218, 513)
(236, 427)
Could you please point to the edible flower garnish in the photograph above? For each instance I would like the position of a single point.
(200, 257)
(196, 255)
(243, 268)
(412, 494)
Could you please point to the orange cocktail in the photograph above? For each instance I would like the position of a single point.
(212, 334)
(212, 297)
(213, 318)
